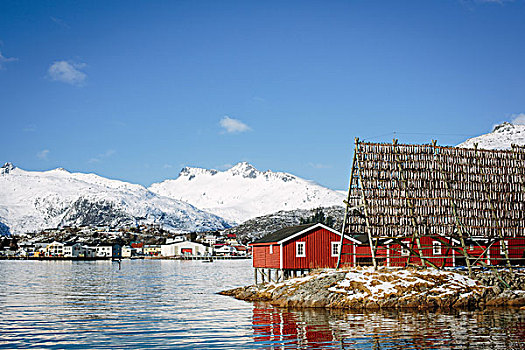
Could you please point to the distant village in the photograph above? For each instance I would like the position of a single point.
(147, 241)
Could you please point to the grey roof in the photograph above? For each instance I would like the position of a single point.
(282, 234)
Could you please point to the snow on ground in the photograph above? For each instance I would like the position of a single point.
(380, 284)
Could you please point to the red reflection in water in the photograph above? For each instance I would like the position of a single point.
(295, 329)
(343, 329)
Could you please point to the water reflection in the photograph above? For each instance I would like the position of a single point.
(276, 328)
(173, 304)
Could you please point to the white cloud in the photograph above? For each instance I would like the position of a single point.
(43, 154)
(518, 119)
(233, 126)
(67, 72)
(102, 156)
(167, 166)
(4, 60)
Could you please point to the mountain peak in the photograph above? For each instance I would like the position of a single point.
(244, 169)
(242, 192)
(6, 168)
(503, 136)
(503, 127)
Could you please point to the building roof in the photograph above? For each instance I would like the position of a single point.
(288, 233)
(283, 233)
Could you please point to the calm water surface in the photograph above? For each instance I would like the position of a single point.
(172, 304)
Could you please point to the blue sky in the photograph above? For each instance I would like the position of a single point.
(135, 90)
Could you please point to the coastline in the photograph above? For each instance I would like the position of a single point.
(390, 288)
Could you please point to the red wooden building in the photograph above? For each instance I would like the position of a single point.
(295, 250)
(438, 251)
(298, 249)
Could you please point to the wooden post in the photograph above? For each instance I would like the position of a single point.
(347, 206)
(481, 262)
(365, 207)
(493, 215)
(417, 233)
(255, 270)
(454, 213)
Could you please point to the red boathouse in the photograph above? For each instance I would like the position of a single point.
(298, 249)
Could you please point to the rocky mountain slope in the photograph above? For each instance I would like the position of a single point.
(262, 225)
(243, 192)
(502, 137)
(31, 201)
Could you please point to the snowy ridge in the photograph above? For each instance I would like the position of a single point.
(243, 192)
(32, 200)
(501, 138)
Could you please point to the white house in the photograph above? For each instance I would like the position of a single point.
(26, 248)
(54, 249)
(128, 252)
(103, 250)
(185, 248)
(175, 239)
(227, 250)
(210, 239)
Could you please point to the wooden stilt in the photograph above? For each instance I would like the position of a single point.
(481, 262)
(409, 247)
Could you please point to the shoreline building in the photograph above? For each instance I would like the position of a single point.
(429, 205)
(295, 250)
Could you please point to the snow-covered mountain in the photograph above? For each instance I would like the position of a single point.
(501, 137)
(243, 192)
(31, 200)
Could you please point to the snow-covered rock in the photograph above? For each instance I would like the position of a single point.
(502, 137)
(366, 288)
(243, 192)
(32, 200)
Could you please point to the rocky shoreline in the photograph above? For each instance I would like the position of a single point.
(393, 288)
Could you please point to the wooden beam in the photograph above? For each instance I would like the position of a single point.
(338, 265)
(365, 207)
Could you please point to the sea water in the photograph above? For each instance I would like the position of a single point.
(173, 304)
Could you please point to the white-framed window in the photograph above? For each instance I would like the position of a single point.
(436, 248)
(503, 250)
(404, 249)
(334, 248)
(271, 248)
(300, 249)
